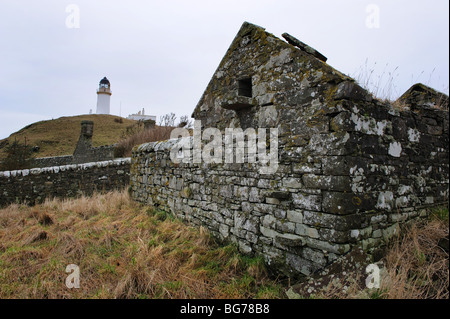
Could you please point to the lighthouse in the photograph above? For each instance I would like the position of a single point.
(103, 96)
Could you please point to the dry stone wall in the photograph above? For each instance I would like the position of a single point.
(36, 184)
(52, 161)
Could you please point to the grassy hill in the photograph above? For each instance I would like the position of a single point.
(60, 136)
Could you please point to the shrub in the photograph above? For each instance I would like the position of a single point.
(18, 156)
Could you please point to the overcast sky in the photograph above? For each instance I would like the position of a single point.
(160, 55)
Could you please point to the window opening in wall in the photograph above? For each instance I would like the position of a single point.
(245, 87)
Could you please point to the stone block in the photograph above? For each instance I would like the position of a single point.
(338, 222)
(337, 183)
(295, 216)
(289, 240)
(342, 122)
(352, 92)
(273, 201)
(300, 264)
(306, 201)
(304, 230)
(341, 203)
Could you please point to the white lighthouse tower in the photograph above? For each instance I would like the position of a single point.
(103, 96)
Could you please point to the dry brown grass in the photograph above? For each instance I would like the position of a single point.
(382, 86)
(123, 249)
(126, 250)
(158, 133)
(415, 267)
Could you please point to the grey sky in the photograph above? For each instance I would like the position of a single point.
(160, 55)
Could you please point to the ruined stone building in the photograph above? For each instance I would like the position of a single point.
(84, 151)
(350, 168)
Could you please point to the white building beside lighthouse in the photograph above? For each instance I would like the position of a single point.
(103, 96)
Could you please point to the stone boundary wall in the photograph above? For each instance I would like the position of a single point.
(41, 162)
(36, 184)
(94, 154)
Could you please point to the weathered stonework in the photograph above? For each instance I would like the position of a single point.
(84, 151)
(36, 184)
(420, 95)
(53, 161)
(351, 168)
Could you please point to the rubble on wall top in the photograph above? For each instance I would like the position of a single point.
(247, 26)
(420, 96)
(304, 47)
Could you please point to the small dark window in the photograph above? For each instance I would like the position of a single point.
(245, 87)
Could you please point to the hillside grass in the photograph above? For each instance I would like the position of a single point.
(60, 136)
(123, 250)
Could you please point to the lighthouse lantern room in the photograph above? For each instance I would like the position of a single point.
(103, 96)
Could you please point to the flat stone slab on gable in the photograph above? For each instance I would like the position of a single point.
(304, 47)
